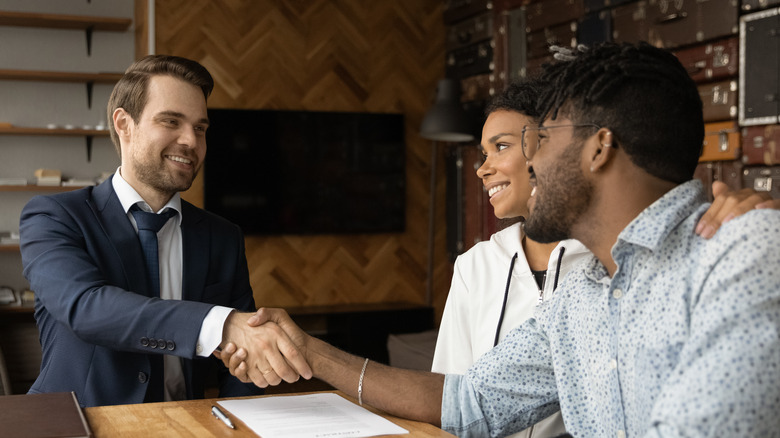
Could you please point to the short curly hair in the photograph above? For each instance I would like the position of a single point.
(521, 96)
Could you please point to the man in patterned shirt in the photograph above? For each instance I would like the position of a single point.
(661, 332)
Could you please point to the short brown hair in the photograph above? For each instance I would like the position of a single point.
(130, 92)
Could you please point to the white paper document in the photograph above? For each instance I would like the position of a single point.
(312, 416)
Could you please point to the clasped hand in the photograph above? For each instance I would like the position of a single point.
(256, 348)
(264, 348)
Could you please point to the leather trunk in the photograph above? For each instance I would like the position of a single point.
(595, 28)
(477, 208)
(719, 100)
(675, 23)
(470, 60)
(598, 5)
(468, 208)
(534, 66)
(507, 5)
(479, 87)
(457, 10)
(757, 5)
(629, 23)
(509, 55)
(761, 144)
(517, 44)
(713, 61)
(759, 48)
(721, 141)
(545, 13)
(470, 31)
(763, 179)
(539, 41)
(729, 172)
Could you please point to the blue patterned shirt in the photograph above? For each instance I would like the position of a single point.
(682, 341)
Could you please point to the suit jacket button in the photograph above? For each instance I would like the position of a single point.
(161, 344)
(142, 377)
(170, 345)
(153, 343)
(145, 342)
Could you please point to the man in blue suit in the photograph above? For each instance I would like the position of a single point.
(112, 328)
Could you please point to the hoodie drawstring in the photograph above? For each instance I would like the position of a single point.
(506, 295)
(509, 281)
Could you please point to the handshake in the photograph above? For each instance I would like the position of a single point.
(264, 348)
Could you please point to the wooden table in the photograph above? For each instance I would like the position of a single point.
(192, 418)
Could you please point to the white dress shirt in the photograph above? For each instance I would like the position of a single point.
(171, 271)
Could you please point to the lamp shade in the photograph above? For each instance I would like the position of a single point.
(446, 120)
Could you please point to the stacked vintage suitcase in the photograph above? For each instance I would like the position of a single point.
(730, 47)
(471, 45)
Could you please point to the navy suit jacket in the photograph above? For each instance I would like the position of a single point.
(98, 323)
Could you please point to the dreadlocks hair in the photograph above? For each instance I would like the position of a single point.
(641, 93)
(521, 96)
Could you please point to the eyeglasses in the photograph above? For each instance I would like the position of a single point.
(530, 147)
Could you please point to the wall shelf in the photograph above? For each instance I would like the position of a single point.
(58, 76)
(21, 130)
(89, 134)
(58, 21)
(17, 309)
(86, 23)
(9, 248)
(53, 41)
(37, 188)
(90, 79)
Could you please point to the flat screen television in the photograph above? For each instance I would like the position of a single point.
(303, 172)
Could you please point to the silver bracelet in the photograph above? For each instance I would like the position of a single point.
(360, 383)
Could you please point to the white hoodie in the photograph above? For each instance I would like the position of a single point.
(473, 309)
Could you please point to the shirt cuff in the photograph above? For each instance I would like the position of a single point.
(211, 330)
(461, 413)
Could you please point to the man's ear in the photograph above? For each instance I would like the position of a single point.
(603, 152)
(122, 122)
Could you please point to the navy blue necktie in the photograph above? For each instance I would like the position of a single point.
(148, 226)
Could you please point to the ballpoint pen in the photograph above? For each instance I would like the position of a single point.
(221, 415)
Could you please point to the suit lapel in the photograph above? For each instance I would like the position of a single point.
(117, 227)
(195, 238)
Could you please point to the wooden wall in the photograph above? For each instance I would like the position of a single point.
(326, 55)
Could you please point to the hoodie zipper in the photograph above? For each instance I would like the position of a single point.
(541, 291)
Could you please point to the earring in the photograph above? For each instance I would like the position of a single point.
(606, 145)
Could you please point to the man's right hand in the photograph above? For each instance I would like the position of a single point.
(267, 354)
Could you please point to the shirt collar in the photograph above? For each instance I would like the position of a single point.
(129, 197)
(653, 225)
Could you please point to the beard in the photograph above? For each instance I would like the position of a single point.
(565, 198)
(155, 174)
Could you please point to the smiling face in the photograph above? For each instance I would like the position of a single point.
(504, 173)
(164, 149)
(561, 193)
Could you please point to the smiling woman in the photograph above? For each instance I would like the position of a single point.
(498, 283)
(503, 172)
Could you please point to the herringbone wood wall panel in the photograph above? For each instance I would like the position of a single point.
(326, 55)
